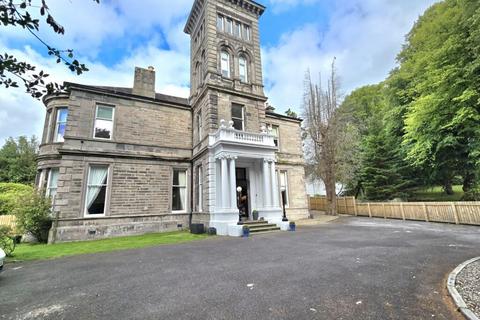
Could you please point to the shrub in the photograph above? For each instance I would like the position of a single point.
(7, 242)
(9, 194)
(33, 212)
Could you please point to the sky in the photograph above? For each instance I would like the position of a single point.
(296, 35)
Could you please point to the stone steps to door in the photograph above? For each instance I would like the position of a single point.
(260, 226)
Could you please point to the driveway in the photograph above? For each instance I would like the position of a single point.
(352, 268)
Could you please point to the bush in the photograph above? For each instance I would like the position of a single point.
(9, 194)
(33, 212)
(7, 242)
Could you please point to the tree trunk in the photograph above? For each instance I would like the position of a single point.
(331, 193)
(468, 182)
(447, 187)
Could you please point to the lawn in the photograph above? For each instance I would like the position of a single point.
(25, 252)
(437, 194)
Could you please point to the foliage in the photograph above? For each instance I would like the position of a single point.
(437, 194)
(33, 212)
(43, 251)
(18, 160)
(7, 242)
(291, 113)
(9, 195)
(18, 14)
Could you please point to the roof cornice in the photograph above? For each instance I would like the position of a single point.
(197, 6)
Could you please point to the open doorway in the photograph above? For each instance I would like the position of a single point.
(242, 181)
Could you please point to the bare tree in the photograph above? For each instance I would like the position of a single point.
(322, 133)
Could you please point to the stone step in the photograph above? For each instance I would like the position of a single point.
(264, 229)
(261, 225)
(252, 222)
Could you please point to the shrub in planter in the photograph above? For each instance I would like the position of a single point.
(9, 194)
(33, 212)
(7, 242)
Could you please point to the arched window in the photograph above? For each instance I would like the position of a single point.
(225, 64)
(242, 69)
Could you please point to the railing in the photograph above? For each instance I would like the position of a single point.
(232, 135)
(462, 212)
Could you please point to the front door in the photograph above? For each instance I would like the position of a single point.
(242, 181)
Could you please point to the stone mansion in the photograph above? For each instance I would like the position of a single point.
(120, 161)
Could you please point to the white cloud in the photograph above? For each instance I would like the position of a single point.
(364, 35)
(279, 6)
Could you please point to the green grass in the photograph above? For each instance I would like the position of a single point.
(437, 194)
(25, 252)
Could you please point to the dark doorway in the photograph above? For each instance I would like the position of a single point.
(242, 181)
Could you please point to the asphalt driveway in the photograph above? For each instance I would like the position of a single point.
(353, 268)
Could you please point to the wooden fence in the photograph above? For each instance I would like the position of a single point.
(466, 212)
(8, 220)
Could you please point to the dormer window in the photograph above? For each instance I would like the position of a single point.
(242, 69)
(225, 64)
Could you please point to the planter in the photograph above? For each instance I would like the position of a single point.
(255, 214)
(292, 226)
(245, 231)
(197, 228)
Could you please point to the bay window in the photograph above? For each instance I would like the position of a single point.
(52, 183)
(61, 124)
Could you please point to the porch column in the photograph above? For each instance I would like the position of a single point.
(224, 189)
(233, 182)
(275, 201)
(266, 184)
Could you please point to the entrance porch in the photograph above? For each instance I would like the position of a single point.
(245, 160)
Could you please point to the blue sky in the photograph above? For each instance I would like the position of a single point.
(117, 35)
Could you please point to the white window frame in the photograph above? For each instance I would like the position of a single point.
(107, 190)
(57, 124)
(285, 174)
(49, 189)
(276, 137)
(199, 188)
(220, 22)
(179, 186)
(247, 33)
(225, 63)
(229, 25)
(243, 115)
(237, 29)
(245, 68)
(96, 118)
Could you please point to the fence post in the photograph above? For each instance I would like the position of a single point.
(403, 212)
(369, 210)
(425, 211)
(384, 212)
(455, 213)
(355, 206)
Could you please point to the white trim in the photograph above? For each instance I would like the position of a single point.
(199, 188)
(178, 186)
(95, 120)
(107, 190)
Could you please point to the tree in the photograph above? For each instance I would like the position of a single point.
(291, 113)
(321, 129)
(18, 160)
(19, 15)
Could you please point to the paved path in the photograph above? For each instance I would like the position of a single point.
(352, 268)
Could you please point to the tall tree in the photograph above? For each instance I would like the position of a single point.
(321, 128)
(18, 160)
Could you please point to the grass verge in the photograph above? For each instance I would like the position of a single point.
(26, 252)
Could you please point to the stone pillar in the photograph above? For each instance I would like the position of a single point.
(233, 182)
(224, 189)
(266, 184)
(275, 201)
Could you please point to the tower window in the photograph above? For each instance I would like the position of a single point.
(246, 33)
(242, 69)
(229, 26)
(238, 29)
(220, 20)
(238, 116)
(225, 64)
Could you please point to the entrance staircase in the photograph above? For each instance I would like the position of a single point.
(260, 226)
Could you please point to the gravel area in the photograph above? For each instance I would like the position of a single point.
(468, 285)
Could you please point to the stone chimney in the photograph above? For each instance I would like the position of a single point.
(144, 82)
